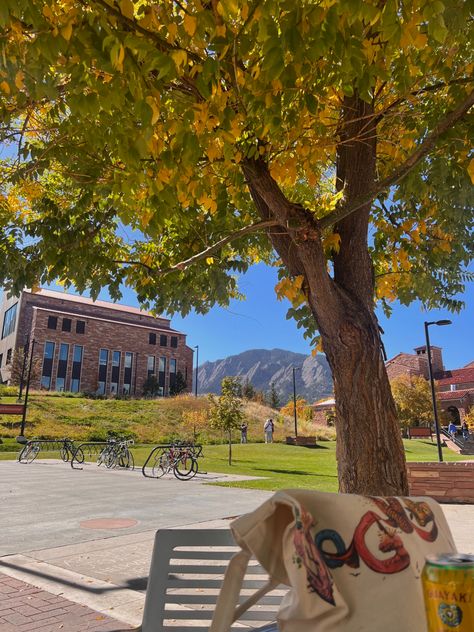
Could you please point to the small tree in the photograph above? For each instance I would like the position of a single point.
(413, 401)
(226, 410)
(273, 398)
(151, 387)
(180, 384)
(248, 390)
(20, 365)
(194, 422)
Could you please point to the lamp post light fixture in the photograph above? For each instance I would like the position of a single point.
(197, 366)
(433, 394)
(295, 368)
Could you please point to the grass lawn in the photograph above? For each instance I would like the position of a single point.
(282, 466)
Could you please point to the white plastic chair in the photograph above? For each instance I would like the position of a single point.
(186, 574)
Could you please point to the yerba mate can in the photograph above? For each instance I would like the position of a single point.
(448, 590)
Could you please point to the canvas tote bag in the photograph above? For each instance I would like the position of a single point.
(353, 563)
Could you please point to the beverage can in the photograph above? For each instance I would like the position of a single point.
(448, 591)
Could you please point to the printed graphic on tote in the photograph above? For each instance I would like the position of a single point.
(389, 517)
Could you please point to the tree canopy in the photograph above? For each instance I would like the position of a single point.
(136, 128)
(169, 145)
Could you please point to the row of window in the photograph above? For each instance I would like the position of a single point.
(115, 371)
(163, 340)
(66, 324)
(9, 321)
(63, 356)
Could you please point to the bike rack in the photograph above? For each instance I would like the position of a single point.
(91, 448)
(46, 445)
(197, 452)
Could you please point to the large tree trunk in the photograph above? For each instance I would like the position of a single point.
(370, 452)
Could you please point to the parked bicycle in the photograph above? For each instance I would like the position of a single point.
(117, 453)
(68, 451)
(179, 458)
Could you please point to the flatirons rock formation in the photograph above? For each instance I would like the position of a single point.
(263, 366)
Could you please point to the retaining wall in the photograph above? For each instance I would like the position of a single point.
(445, 482)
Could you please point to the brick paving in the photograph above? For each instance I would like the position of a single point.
(24, 608)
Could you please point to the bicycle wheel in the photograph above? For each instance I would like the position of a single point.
(111, 459)
(64, 454)
(161, 465)
(185, 468)
(29, 454)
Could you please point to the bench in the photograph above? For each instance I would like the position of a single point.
(186, 574)
(420, 432)
(12, 409)
(301, 440)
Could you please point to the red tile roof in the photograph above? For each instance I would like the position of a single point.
(74, 298)
(456, 376)
(448, 395)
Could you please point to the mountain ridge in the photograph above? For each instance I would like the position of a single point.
(262, 367)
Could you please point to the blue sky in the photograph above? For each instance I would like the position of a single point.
(259, 322)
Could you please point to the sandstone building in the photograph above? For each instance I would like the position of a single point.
(99, 347)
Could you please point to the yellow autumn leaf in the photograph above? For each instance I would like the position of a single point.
(172, 31)
(190, 23)
(47, 12)
(470, 170)
(156, 111)
(66, 31)
(127, 8)
(5, 87)
(210, 261)
(180, 58)
(20, 75)
(117, 58)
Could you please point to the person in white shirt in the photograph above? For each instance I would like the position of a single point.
(268, 429)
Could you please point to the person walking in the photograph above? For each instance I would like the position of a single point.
(465, 431)
(452, 429)
(268, 429)
(243, 432)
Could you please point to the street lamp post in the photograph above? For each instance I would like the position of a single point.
(433, 394)
(197, 366)
(295, 368)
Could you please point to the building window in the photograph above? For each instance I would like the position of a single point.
(163, 341)
(161, 375)
(80, 327)
(8, 359)
(127, 373)
(150, 365)
(47, 371)
(1, 360)
(152, 338)
(114, 378)
(172, 374)
(9, 321)
(103, 362)
(174, 342)
(66, 324)
(77, 356)
(62, 367)
(52, 322)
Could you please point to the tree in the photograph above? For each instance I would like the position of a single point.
(273, 398)
(412, 395)
(248, 390)
(168, 145)
(301, 408)
(179, 386)
(151, 386)
(226, 411)
(19, 367)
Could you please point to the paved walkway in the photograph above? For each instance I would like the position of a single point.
(25, 608)
(100, 575)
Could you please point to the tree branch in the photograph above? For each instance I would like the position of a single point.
(424, 149)
(186, 263)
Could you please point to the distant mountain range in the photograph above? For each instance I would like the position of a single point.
(263, 366)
